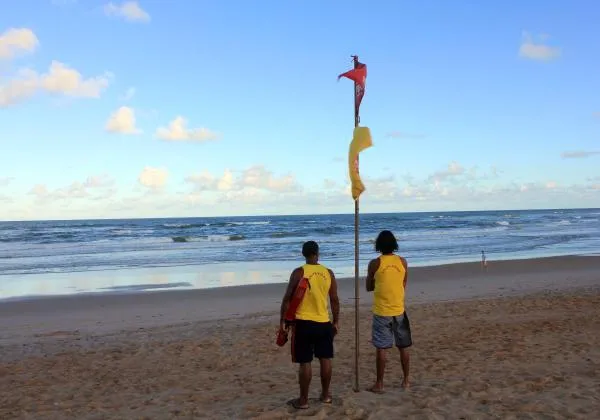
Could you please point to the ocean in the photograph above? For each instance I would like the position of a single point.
(54, 249)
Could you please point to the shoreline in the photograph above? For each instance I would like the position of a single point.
(103, 313)
(500, 266)
(180, 279)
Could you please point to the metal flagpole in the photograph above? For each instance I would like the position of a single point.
(356, 251)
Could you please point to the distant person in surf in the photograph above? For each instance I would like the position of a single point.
(312, 330)
(386, 277)
(483, 261)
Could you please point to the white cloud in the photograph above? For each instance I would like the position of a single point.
(454, 169)
(4, 181)
(578, 154)
(128, 95)
(177, 131)
(98, 184)
(65, 80)
(99, 181)
(14, 41)
(153, 178)
(246, 196)
(59, 80)
(39, 190)
(19, 89)
(254, 178)
(259, 177)
(445, 184)
(74, 190)
(122, 121)
(204, 181)
(382, 188)
(130, 11)
(385, 194)
(226, 182)
(537, 50)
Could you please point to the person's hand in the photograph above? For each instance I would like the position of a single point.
(335, 329)
(283, 326)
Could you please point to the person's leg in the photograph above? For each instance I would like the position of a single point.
(304, 378)
(403, 340)
(382, 339)
(380, 367)
(405, 359)
(324, 352)
(326, 372)
(303, 355)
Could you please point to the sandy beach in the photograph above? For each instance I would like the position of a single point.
(521, 340)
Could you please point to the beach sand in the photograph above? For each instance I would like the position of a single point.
(521, 340)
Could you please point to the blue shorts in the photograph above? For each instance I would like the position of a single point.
(391, 330)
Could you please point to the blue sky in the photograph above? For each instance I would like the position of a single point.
(471, 105)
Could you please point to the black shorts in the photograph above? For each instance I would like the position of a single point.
(310, 339)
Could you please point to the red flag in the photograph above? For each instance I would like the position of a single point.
(359, 76)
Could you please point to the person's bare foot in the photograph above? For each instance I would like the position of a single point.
(298, 404)
(405, 384)
(326, 399)
(376, 389)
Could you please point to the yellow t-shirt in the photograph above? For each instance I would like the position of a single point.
(388, 299)
(314, 305)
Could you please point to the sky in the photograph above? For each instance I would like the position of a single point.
(183, 108)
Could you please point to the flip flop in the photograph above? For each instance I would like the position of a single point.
(296, 404)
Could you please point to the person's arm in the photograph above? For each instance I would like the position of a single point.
(372, 269)
(334, 301)
(405, 264)
(287, 297)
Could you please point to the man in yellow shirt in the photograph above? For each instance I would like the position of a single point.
(312, 330)
(387, 276)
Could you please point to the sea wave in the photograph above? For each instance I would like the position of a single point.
(266, 222)
(183, 225)
(329, 230)
(119, 232)
(66, 246)
(212, 224)
(286, 234)
(210, 238)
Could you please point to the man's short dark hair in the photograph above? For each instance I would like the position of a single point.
(386, 242)
(310, 249)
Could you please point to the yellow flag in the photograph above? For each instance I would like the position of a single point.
(360, 141)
